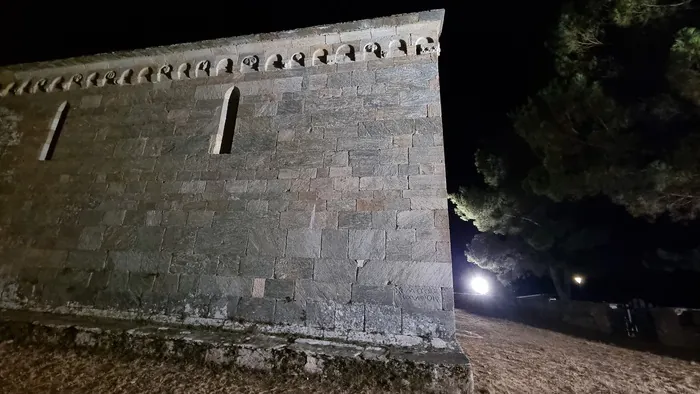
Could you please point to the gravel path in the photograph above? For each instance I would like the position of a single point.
(507, 357)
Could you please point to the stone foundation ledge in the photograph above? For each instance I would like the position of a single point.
(420, 369)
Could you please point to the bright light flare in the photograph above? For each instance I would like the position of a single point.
(578, 279)
(480, 285)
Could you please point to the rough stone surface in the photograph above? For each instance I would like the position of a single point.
(426, 369)
(204, 182)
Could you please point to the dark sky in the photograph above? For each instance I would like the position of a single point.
(493, 56)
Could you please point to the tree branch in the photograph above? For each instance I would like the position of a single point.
(523, 218)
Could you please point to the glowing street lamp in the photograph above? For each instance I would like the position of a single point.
(578, 279)
(480, 285)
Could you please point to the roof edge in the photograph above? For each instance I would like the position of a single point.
(216, 46)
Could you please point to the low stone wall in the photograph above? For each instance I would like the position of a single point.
(671, 327)
(677, 327)
(424, 370)
(585, 315)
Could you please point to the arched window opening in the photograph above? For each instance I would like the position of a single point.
(54, 131)
(227, 123)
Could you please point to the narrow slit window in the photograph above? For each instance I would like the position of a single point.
(54, 131)
(223, 141)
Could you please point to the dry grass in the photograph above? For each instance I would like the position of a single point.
(513, 358)
(38, 369)
(507, 358)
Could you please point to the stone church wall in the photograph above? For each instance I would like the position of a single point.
(292, 180)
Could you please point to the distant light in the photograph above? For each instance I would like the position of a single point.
(480, 285)
(578, 279)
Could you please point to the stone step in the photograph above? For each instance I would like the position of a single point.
(422, 370)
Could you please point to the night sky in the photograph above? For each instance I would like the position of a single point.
(493, 57)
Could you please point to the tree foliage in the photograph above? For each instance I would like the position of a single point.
(620, 120)
(596, 132)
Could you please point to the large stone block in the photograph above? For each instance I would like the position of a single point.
(419, 298)
(310, 290)
(183, 263)
(91, 238)
(410, 273)
(334, 244)
(367, 244)
(303, 243)
(86, 259)
(382, 319)
(383, 295)
(436, 323)
(413, 75)
(320, 314)
(179, 239)
(294, 268)
(288, 312)
(257, 267)
(256, 310)
(354, 220)
(268, 242)
(416, 219)
(224, 286)
(335, 270)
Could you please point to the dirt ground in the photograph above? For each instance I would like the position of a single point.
(507, 358)
(514, 358)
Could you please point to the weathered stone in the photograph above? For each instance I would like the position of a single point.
(121, 260)
(257, 267)
(256, 309)
(320, 314)
(90, 101)
(421, 298)
(279, 288)
(90, 238)
(294, 268)
(200, 218)
(383, 295)
(303, 243)
(416, 219)
(428, 203)
(224, 286)
(213, 239)
(436, 323)
(421, 155)
(448, 299)
(335, 270)
(258, 288)
(287, 312)
(383, 319)
(304, 190)
(267, 242)
(309, 290)
(193, 264)
(412, 273)
(87, 260)
(427, 370)
(385, 220)
(367, 244)
(350, 317)
(334, 244)
(114, 218)
(179, 238)
(426, 182)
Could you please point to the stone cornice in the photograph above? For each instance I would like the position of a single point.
(411, 34)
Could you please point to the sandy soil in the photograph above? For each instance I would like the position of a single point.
(513, 358)
(507, 358)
